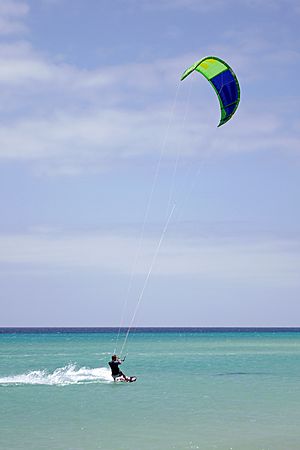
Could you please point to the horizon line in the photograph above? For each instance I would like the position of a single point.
(138, 329)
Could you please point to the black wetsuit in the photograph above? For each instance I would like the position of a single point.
(115, 371)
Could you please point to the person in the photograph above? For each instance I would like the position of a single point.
(115, 369)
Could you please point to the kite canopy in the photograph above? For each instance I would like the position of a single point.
(225, 83)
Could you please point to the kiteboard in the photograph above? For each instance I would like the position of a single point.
(127, 380)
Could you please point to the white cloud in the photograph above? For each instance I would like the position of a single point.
(69, 119)
(21, 65)
(71, 144)
(23, 68)
(268, 260)
(12, 14)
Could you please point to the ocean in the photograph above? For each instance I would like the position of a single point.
(207, 389)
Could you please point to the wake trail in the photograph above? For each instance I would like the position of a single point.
(62, 376)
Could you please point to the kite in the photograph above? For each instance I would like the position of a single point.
(224, 81)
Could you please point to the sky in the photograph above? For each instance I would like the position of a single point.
(121, 201)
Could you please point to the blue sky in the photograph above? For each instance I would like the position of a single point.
(93, 118)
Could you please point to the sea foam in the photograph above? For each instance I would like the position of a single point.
(61, 376)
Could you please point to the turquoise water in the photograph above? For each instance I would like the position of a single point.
(216, 390)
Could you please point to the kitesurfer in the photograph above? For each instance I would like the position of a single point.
(115, 370)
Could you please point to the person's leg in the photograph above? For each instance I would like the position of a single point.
(124, 376)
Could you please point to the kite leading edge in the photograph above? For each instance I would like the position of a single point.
(224, 81)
